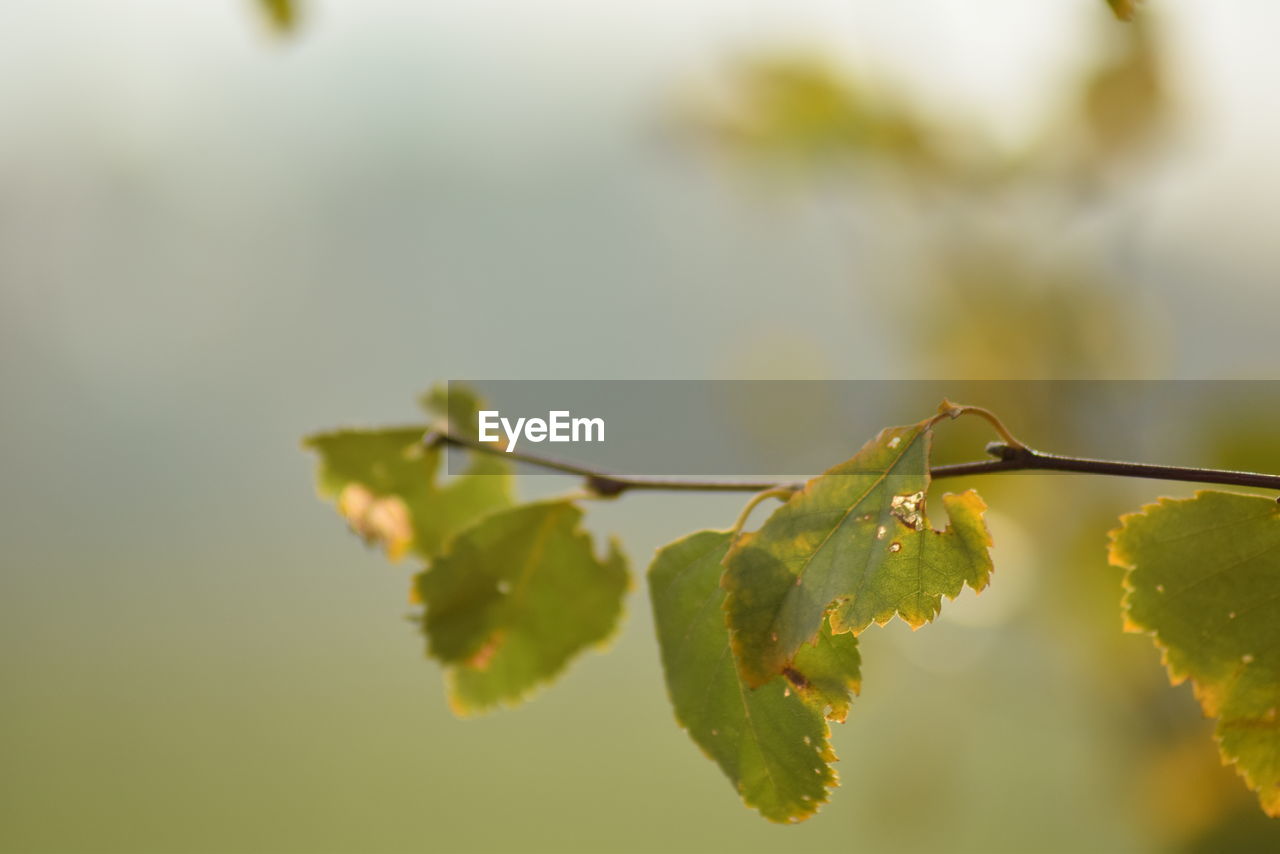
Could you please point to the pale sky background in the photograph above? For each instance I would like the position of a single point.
(461, 118)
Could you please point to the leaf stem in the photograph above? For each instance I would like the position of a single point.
(1008, 458)
(955, 410)
(782, 493)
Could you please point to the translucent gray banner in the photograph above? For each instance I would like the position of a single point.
(784, 428)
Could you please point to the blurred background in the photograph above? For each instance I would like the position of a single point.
(218, 234)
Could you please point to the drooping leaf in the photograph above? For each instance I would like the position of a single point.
(386, 485)
(856, 538)
(514, 599)
(1203, 577)
(772, 742)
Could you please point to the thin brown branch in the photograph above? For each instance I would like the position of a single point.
(1008, 459)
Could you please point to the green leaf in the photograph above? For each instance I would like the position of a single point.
(457, 405)
(772, 742)
(1203, 577)
(385, 484)
(516, 597)
(828, 674)
(856, 538)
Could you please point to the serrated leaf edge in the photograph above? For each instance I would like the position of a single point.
(534, 689)
(1209, 706)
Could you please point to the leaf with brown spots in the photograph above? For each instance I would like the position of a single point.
(1203, 578)
(773, 742)
(855, 542)
(514, 599)
(386, 485)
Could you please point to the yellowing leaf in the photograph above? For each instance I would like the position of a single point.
(1203, 577)
(377, 519)
(856, 538)
(514, 598)
(771, 742)
(385, 484)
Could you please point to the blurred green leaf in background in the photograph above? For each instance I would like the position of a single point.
(282, 15)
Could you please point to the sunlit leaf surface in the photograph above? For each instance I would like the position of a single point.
(771, 742)
(1204, 578)
(514, 599)
(856, 538)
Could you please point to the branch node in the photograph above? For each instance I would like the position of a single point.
(1005, 451)
(605, 487)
